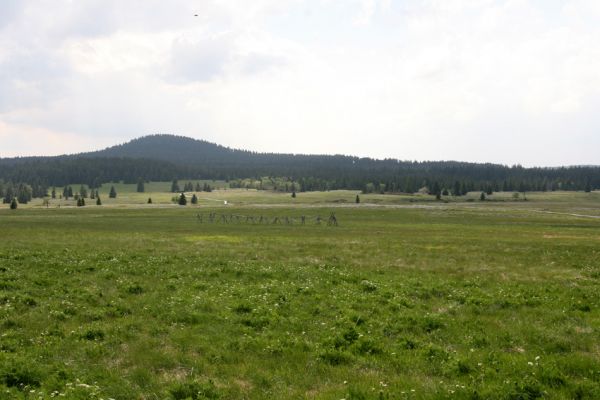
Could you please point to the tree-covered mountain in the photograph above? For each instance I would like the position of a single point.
(166, 157)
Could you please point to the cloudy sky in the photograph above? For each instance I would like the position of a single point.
(508, 81)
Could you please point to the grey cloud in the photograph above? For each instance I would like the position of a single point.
(199, 61)
(31, 78)
(211, 58)
(9, 9)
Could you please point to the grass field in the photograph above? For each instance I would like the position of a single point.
(406, 298)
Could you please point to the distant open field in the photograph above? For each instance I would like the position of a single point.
(408, 298)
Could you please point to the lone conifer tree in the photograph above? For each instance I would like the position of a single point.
(182, 200)
(456, 190)
(482, 197)
(13, 204)
(98, 201)
(294, 194)
(357, 201)
(194, 199)
(113, 193)
(436, 190)
(140, 186)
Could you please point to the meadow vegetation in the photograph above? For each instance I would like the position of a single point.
(408, 298)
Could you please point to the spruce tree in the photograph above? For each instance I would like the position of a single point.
(69, 191)
(53, 193)
(9, 195)
(182, 200)
(24, 193)
(174, 186)
(464, 189)
(482, 197)
(98, 201)
(194, 199)
(113, 193)
(140, 186)
(13, 204)
(83, 191)
(198, 188)
(294, 194)
(357, 200)
(436, 190)
(456, 190)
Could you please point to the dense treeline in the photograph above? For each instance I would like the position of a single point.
(167, 157)
(63, 170)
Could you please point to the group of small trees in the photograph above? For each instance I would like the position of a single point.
(189, 187)
(182, 199)
(22, 193)
(68, 193)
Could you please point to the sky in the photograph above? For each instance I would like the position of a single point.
(503, 81)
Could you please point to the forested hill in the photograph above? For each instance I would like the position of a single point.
(177, 149)
(166, 157)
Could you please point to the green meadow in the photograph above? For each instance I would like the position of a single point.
(407, 298)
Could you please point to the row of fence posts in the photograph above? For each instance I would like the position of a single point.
(214, 218)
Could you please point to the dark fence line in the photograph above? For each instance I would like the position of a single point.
(214, 218)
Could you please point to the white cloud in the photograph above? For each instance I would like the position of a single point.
(417, 79)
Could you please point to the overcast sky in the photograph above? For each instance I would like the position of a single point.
(515, 81)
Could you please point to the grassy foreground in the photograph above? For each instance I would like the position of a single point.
(463, 301)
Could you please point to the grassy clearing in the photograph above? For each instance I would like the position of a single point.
(473, 300)
(160, 194)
